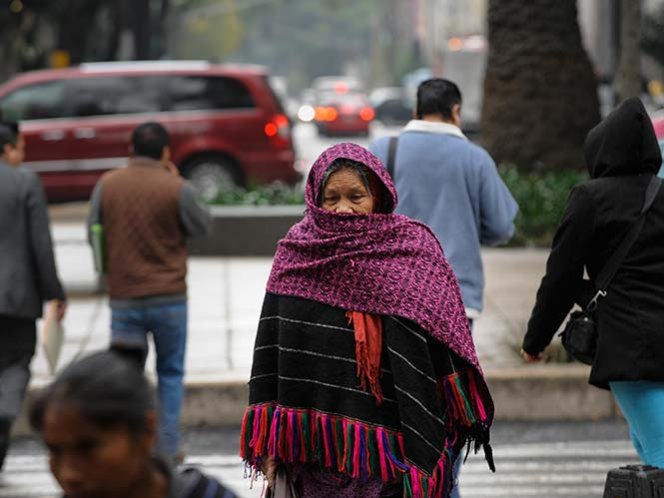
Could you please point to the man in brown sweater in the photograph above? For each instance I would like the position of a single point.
(147, 211)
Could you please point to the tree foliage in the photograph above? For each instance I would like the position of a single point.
(301, 39)
(87, 30)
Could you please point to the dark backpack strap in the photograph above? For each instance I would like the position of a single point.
(391, 155)
(611, 267)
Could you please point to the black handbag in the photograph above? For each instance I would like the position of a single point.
(579, 336)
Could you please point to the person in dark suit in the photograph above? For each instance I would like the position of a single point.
(28, 274)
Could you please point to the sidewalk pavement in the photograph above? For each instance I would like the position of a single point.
(225, 298)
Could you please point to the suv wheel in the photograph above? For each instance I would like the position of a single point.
(210, 176)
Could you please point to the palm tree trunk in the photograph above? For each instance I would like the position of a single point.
(628, 77)
(540, 92)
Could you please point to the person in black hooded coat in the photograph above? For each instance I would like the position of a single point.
(622, 156)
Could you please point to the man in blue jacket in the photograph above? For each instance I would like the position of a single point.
(450, 184)
(28, 274)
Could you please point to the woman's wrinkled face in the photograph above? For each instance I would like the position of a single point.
(89, 462)
(345, 193)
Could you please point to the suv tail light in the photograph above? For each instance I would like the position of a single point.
(326, 114)
(367, 114)
(278, 130)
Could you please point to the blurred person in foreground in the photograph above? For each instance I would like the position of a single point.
(147, 211)
(365, 381)
(28, 274)
(622, 156)
(99, 423)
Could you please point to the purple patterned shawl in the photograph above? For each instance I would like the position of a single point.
(383, 264)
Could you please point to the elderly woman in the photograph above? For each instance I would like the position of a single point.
(365, 380)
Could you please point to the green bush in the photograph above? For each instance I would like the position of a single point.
(266, 195)
(541, 197)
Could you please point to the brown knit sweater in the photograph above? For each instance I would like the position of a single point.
(145, 243)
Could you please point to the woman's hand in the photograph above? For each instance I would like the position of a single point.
(529, 358)
(269, 469)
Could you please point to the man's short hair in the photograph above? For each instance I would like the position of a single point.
(149, 139)
(8, 133)
(437, 96)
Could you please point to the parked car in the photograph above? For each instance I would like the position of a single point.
(391, 105)
(324, 85)
(227, 126)
(343, 114)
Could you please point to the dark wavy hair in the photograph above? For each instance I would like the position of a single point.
(106, 388)
(149, 140)
(437, 96)
(8, 133)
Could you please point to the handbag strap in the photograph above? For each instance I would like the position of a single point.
(611, 267)
(391, 155)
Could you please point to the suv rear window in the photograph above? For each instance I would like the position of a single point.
(37, 101)
(110, 95)
(195, 93)
(114, 95)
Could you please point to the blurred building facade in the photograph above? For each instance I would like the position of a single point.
(436, 21)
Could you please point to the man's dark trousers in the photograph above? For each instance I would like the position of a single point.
(17, 347)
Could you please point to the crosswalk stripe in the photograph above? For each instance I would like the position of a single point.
(532, 491)
(574, 470)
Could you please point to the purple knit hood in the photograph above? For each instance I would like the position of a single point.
(384, 264)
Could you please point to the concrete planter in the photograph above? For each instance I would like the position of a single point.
(549, 392)
(246, 230)
(538, 393)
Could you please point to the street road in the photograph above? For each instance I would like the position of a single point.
(309, 144)
(532, 460)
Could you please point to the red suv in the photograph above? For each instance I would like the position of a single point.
(227, 126)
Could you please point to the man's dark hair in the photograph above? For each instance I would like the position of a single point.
(106, 388)
(437, 96)
(8, 133)
(149, 139)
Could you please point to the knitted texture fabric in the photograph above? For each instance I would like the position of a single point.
(145, 243)
(306, 407)
(380, 263)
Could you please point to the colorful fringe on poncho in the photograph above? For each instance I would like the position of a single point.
(307, 406)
